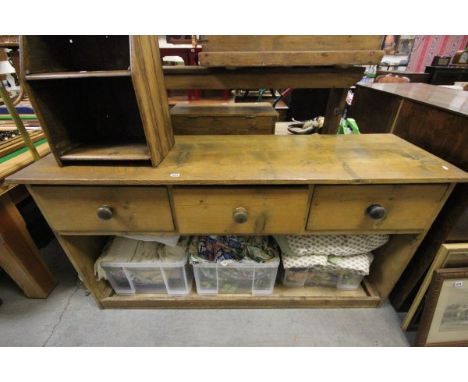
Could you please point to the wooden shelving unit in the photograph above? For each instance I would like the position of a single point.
(99, 98)
(282, 181)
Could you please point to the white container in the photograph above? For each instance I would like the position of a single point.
(236, 278)
(309, 277)
(145, 273)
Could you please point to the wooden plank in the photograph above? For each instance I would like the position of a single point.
(335, 108)
(187, 77)
(108, 152)
(233, 118)
(247, 109)
(282, 297)
(259, 43)
(290, 58)
(393, 258)
(132, 208)
(16, 143)
(83, 251)
(9, 167)
(151, 95)
(407, 207)
(19, 256)
(80, 74)
(452, 100)
(266, 159)
(211, 209)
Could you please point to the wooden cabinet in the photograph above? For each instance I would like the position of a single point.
(259, 185)
(99, 98)
(433, 118)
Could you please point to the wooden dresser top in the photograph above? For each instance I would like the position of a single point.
(250, 159)
(452, 100)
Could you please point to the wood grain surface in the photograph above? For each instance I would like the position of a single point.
(290, 58)
(269, 209)
(408, 207)
(316, 159)
(134, 208)
(259, 43)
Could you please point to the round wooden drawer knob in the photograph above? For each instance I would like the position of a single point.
(105, 212)
(240, 215)
(376, 211)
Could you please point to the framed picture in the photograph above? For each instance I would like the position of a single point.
(449, 256)
(445, 317)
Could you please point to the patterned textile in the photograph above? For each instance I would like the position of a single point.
(228, 249)
(309, 261)
(426, 47)
(337, 245)
(358, 264)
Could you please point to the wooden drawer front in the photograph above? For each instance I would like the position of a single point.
(136, 209)
(223, 125)
(211, 210)
(407, 207)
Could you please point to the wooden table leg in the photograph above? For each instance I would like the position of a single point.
(19, 256)
(335, 107)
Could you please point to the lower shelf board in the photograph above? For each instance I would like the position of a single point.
(109, 152)
(282, 297)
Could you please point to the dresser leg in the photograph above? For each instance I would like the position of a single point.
(19, 256)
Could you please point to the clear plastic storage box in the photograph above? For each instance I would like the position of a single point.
(310, 277)
(146, 274)
(236, 278)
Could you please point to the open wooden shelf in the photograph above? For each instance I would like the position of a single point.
(282, 297)
(47, 54)
(109, 152)
(95, 91)
(93, 118)
(80, 74)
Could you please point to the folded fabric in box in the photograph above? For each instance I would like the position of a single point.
(125, 250)
(337, 245)
(309, 261)
(228, 249)
(358, 264)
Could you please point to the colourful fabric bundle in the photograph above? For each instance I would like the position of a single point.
(227, 249)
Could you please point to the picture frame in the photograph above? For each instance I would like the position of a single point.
(449, 256)
(445, 317)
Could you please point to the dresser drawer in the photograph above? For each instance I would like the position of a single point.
(105, 209)
(374, 207)
(240, 210)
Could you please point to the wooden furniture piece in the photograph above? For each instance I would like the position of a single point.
(284, 184)
(337, 79)
(446, 75)
(238, 51)
(435, 119)
(232, 118)
(19, 256)
(99, 98)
